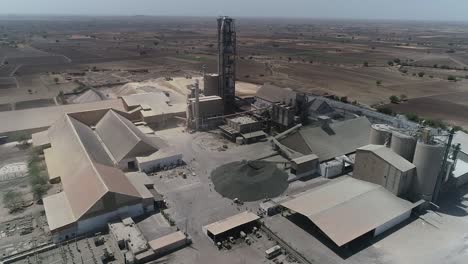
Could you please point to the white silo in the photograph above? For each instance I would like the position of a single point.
(380, 134)
(428, 160)
(403, 145)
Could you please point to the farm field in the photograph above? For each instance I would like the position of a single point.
(362, 61)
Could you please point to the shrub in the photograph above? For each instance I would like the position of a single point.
(385, 110)
(13, 200)
(421, 74)
(452, 78)
(412, 117)
(378, 82)
(344, 99)
(394, 99)
(403, 97)
(390, 63)
(366, 64)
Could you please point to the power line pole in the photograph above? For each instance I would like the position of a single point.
(443, 167)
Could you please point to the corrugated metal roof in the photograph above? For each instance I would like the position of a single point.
(229, 223)
(44, 117)
(347, 208)
(167, 240)
(305, 158)
(58, 211)
(53, 165)
(139, 181)
(389, 156)
(40, 139)
(157, 101)
(85, 169)
(339, 139)
(123, 138)
(275, 94)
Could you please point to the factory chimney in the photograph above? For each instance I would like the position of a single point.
(227, 62)
(197, 105)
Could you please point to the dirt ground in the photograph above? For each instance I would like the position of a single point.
(366, 62)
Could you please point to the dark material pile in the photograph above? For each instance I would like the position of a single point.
(249, 180)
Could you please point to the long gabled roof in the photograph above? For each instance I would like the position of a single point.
(85, 169)
(347, 208)
(327, 143)
(122, 138)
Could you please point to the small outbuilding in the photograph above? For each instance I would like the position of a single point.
(231, 226)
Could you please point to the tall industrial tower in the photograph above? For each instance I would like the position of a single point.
(227, 62)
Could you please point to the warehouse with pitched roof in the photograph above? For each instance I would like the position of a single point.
(90, 162)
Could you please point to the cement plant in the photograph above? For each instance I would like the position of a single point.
(183, 153)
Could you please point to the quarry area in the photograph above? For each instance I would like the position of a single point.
(196, 140)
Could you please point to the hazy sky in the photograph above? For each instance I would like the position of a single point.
(449, 10)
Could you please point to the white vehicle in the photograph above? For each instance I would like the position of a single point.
(273, 252)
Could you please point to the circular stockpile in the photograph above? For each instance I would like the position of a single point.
(249, 180)
(380, 134)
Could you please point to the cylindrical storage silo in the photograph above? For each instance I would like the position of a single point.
(211, 82)
(380, 134)
(403, 145)
(427, 159)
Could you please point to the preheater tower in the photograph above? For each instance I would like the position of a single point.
(227, 62)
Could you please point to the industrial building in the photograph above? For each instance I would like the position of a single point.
(243, 129)
(380, 165)
(203, 110)
(155, 108)
(346, 209)
(137, 249)
(89, 163)
(319, 106)
(305, 166)
(420, 148)
(327, 141)
(269, 94)
(231, 226)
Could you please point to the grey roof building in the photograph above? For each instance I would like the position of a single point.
(331, 140)
(346, 209)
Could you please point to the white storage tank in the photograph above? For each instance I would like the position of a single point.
(380, 134)
(403, 145)
(211, 83)
(427, 159)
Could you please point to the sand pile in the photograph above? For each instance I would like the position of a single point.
(249, 180)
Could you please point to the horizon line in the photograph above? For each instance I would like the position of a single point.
(57, 15)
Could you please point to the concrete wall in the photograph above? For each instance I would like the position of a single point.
(395, 221)
(99, 222)
(371, 168)
(150, 165)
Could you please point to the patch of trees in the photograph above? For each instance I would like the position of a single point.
(452, 78)
(13, 201)
(38, 178)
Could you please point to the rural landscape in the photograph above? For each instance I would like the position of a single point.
(422, 64)
(183, 139)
